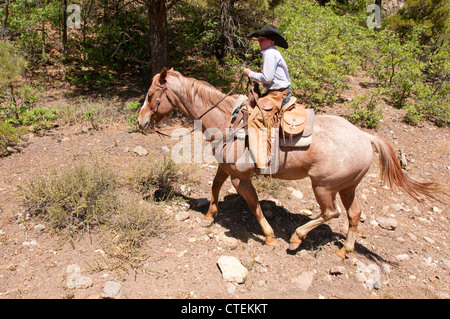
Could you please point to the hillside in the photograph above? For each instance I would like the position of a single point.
(91, 207)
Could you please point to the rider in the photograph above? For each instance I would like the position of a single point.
(275, 79)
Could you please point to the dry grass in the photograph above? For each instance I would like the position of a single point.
(85, 196)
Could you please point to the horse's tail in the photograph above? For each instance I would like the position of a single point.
(392, 174)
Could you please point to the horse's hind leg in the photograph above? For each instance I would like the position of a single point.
(327, 202)
(353, 213)
(218, 181)
(245, 188)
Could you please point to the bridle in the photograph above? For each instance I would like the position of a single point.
(158, 99)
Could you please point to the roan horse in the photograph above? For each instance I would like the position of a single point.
(339, 156)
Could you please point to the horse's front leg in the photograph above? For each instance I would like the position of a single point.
(245, 188)
(219, 179)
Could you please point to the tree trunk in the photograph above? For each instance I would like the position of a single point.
(5, 20)
(64, 35)
(226, 26)
(157, 18)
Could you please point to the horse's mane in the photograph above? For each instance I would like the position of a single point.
(205, 91)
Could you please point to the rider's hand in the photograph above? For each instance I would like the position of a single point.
(246, 71)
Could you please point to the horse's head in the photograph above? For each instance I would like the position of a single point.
(157, 104)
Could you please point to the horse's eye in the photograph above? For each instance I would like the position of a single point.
(158, 100)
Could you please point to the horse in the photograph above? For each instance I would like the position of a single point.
(336, 160)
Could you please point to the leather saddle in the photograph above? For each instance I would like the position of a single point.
(293, 119)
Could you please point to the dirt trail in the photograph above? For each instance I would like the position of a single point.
(411, 261)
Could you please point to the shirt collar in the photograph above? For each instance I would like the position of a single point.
(271, 47)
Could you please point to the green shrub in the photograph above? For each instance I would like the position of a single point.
(12, 65)
(366, 112)
(433, 13)
(9, 135)
(324, 48)
(39, 117)
(133, 108)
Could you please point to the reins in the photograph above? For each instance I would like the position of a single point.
(218, 102)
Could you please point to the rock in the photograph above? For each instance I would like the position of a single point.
(412, 236)
(306, 212)
(73, 268)
(224, 240)
(183, 215)
(297, 194)
(436, 209)
(361, 277)
(39, 227)
(362, 217)
(30, 243)
(387, 223)
(232, 270)
(231, 288)
(402, 257)
(386, 268)
(337, 270)
(369, 275)
(139, 150)
(428, 239)
(165, 149)
(429, 262)
(397, 207)
(76, 280)
(112, 290)
(304, 281)
(446, 263)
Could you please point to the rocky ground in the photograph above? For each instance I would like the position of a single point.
(402, 250)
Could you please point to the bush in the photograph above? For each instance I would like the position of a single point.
(12, 65)
(158, 177)
(324, 48)
(413, 76)
(9, 135)
(434, 13)
(73, 199)
(365, 112)
(132, 224)
(133, 107)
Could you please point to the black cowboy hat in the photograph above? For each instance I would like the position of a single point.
(271, 32)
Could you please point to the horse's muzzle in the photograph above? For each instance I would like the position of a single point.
(146, 123)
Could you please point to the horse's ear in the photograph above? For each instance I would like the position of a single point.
(162, 75)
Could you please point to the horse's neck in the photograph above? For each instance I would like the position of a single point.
(195, 106)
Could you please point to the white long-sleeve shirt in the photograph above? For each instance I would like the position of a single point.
(275, 74)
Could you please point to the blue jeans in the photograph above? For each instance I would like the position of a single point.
(288, 97)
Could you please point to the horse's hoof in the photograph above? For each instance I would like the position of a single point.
(271, 242)
(341, 253)
(206, 222)
(293, 246)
